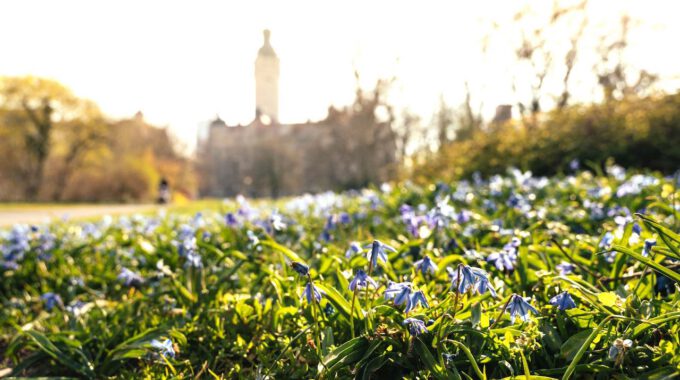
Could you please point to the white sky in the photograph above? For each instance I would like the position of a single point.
(183, 62)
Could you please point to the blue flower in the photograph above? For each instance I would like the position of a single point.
(471, 279)
(400, 292)
(51, 300)
(637, 229)
(186, 246)
(193, 260)
(664, 285)
(353, 249)
(574, 164)
(606, 240)
(416, 327)
(425, 264)
(77, 308)
(276, 221)
(415, 299)
(504, 260)
(345, 218)
(252, 238)
(302, 269)
(377, 252)
(563, 301)
(18, 243)
(231, 220)
(619, 348)
(129, 277)
(166, 348)
(482, 284)
(311, 290)
(361, 280)
(649, 243)
(403, 296)
(465, 282)
(396, 288)
(565, 268)
(520, 307)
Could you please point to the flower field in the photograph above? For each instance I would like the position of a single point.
(567, 277)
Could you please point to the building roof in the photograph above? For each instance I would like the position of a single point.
(266, 49)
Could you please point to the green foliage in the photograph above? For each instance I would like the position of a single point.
(637, 133)
(240, 311)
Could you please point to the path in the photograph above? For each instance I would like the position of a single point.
(10, 215)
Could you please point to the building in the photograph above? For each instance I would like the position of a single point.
(348, 149)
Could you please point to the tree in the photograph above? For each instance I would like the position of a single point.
(538, 50)
(613, 74)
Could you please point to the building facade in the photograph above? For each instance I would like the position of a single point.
(348, 149)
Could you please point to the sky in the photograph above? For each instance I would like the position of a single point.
(182, 63)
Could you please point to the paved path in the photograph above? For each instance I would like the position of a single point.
(36, 214)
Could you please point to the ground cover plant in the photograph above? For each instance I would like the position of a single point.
(564, 277)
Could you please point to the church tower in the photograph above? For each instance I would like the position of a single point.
(267, 80)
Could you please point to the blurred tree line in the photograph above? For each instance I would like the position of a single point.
(58, 147)
(632, 120)
(635, 132)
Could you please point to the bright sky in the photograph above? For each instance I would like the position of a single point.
(183, 62)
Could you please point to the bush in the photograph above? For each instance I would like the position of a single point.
(639, 133)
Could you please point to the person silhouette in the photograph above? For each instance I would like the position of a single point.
(163, 192)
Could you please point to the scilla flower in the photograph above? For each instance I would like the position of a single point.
(504, 260)
(361, 280)
(396, 288)
(276, 221)
(519, 306)
(377, 252)
(51, 300)
(649, 243)
(302, 269)
(607, 240)
(398, 291)
(619, 348)
(416, 327)
(565, 268)
(353, 249)
(165, 347)
(462, 279)
(482, 284)
(129, 277)
(311, 291)
(415, 299)
(563, 301)
(425, 264)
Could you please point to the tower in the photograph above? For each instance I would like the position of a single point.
(267, 80)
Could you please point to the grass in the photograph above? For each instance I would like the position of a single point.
(216, 294)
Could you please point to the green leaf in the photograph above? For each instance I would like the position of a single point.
(292, 256)
(607, 298)
(573, 344)
(340, 303)
(675, 276)
(49, 348)
(428, 360)
(654, 322)
(344, 355)
(660, 228)
(584, 347)
(373, 365)
(131, 347)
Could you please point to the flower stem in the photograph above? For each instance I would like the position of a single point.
(368, 306)
(455, 300)
(316, 320)
(351, 313)
(501, 313)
